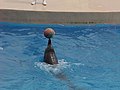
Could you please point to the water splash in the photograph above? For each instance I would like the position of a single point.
(56, 68)
(53, 68)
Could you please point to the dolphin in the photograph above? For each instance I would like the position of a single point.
(49, 54)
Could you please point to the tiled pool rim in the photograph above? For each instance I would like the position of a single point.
(47, 17)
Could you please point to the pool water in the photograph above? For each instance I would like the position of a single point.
(89, 57)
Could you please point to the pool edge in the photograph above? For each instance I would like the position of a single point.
(49, 17)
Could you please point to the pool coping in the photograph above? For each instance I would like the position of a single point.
(50, 17)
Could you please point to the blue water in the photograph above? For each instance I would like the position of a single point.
(89, 57)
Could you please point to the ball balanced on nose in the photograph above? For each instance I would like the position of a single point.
(49, 33)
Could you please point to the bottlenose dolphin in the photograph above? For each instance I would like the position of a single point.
(49, 55)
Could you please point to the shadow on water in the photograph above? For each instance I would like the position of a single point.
(63, 77)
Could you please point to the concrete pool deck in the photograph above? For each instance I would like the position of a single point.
(65, 12)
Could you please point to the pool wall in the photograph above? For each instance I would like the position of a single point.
(45, 17)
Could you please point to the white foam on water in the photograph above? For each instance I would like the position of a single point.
(52, 68)
(78, 64)
(55, 68)
(1, 48)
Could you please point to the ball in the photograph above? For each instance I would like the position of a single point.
(49, 33)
